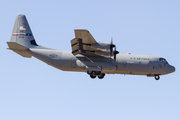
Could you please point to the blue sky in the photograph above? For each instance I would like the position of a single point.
(30, 89)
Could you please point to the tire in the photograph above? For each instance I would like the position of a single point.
(92, 76)
(157, 77)
(101, 76)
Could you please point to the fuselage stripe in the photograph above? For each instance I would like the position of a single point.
(22, 34)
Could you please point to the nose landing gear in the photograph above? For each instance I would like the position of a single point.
(157, 77)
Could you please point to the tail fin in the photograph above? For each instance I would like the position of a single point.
(22, 33)
(22, 37)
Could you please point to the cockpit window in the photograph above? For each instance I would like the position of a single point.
(162, 59)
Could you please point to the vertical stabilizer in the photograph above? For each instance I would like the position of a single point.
(21, 33)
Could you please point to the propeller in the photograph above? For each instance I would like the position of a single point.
(115, 53)
(111, 46)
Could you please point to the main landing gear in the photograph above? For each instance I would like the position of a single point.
(157, 77)
(93, 74)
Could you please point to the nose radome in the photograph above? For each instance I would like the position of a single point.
(172, 69)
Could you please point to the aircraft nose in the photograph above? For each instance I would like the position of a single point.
(171, 69)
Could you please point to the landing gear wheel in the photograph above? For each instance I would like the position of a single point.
(101, 76)
(92, 76)
(156, 77)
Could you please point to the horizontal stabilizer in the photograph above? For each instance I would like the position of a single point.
(19, 49)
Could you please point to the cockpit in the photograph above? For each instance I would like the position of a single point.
(163, 61)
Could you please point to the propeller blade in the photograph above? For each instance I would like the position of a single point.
(115, 53)
(111, 41)
(111, 46)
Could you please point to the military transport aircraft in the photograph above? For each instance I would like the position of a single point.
(87, 55)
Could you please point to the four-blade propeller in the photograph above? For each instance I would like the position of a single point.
(113, 52)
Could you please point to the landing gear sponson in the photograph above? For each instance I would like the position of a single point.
(93, 74)
(100, 75)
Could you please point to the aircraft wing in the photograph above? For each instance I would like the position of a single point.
(85, 44)
(85, 35)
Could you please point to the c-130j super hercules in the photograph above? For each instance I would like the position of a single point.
(87, 55)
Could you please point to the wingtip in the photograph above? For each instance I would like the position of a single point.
(80, 29)
(21, 15)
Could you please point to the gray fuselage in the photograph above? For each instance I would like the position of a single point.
(124, 63)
